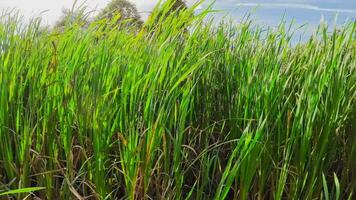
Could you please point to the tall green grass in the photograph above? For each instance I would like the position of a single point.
(182, 109)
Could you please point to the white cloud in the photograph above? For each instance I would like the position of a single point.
(54, 7)
(297, 5)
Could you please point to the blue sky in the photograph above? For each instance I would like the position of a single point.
(267, 12)
(303, 11)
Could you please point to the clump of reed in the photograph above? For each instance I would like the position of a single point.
(182, 109)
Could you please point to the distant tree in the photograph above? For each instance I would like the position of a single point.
(170, 8)
(125, 9)
(71, 16)
(178, 5)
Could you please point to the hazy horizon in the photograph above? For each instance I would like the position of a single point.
(267, 12)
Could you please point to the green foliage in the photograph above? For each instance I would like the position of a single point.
(22, 190)
(182, 109)
(167, 9)
(126, 11)
(179, 5)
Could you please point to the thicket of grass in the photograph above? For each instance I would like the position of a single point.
(182, 109)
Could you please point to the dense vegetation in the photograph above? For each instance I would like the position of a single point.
(182, 109)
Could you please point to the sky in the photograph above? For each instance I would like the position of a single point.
(51, 9)
(267, 12)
